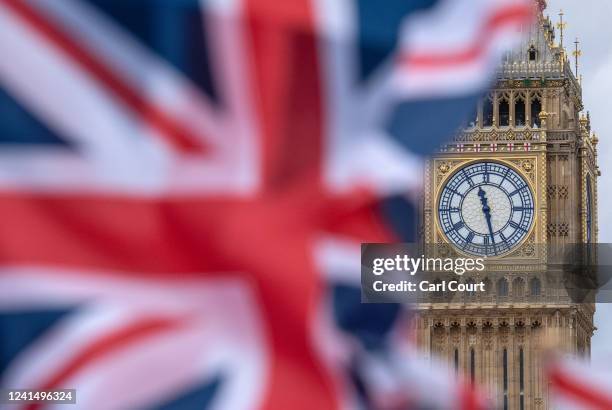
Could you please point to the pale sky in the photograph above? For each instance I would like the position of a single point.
(591, 22)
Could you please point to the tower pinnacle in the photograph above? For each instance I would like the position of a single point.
(561, 25)
(577, 53)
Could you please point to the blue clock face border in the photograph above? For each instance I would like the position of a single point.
(486, 208)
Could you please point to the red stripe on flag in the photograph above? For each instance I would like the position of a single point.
(153, 115)
(168, 237)
(127, 235)
(287, 94)
(291, 15)
(511, 15)
(285, 69)
(104, 346)
(470, 399)
(587, 396)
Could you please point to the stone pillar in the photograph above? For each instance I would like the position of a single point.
(495, 109)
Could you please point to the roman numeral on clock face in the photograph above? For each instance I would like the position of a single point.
(470, 237)
(504, 177)
(517, 226)
(467, 177)
(517, 190)
(458, 225)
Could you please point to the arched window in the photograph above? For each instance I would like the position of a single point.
(505, 377)
(487, 112)
(472, 365)
(536, 109)
(473, 118)
(532, 53)
(519, 112)
(502, 287)
(518, 288)
(456, 361)
(535, 287)
(504, 113)
(438, 293)
(487, 286)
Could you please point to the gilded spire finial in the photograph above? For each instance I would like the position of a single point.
(541, 5)
(577, 53)
(561, 25)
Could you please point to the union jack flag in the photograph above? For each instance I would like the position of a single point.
(184, 185)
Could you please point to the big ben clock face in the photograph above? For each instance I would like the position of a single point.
(486, 209)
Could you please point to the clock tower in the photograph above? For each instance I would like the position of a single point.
(521, 176)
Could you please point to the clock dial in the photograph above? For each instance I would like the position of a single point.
(486, 208)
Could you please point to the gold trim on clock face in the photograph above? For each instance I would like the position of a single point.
(486, 208)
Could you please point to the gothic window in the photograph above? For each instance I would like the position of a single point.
(532, 53)
(456, 361)
(438, 293)
(536, 109)
(487, 286)
(518, 288)
(535, 287)
(473, 118)
(502, 287)
(487, 112)
(519, 112)
(505, 377)
(472, 365)
(504, 113)
(521, 379)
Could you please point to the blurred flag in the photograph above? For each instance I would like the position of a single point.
(183, 183)
(577, 385)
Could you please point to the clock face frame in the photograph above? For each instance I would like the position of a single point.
(486, 208)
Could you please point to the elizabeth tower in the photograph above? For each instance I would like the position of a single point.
(521, 177)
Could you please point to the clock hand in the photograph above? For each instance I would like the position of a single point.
(487, 211)
(488, 216)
